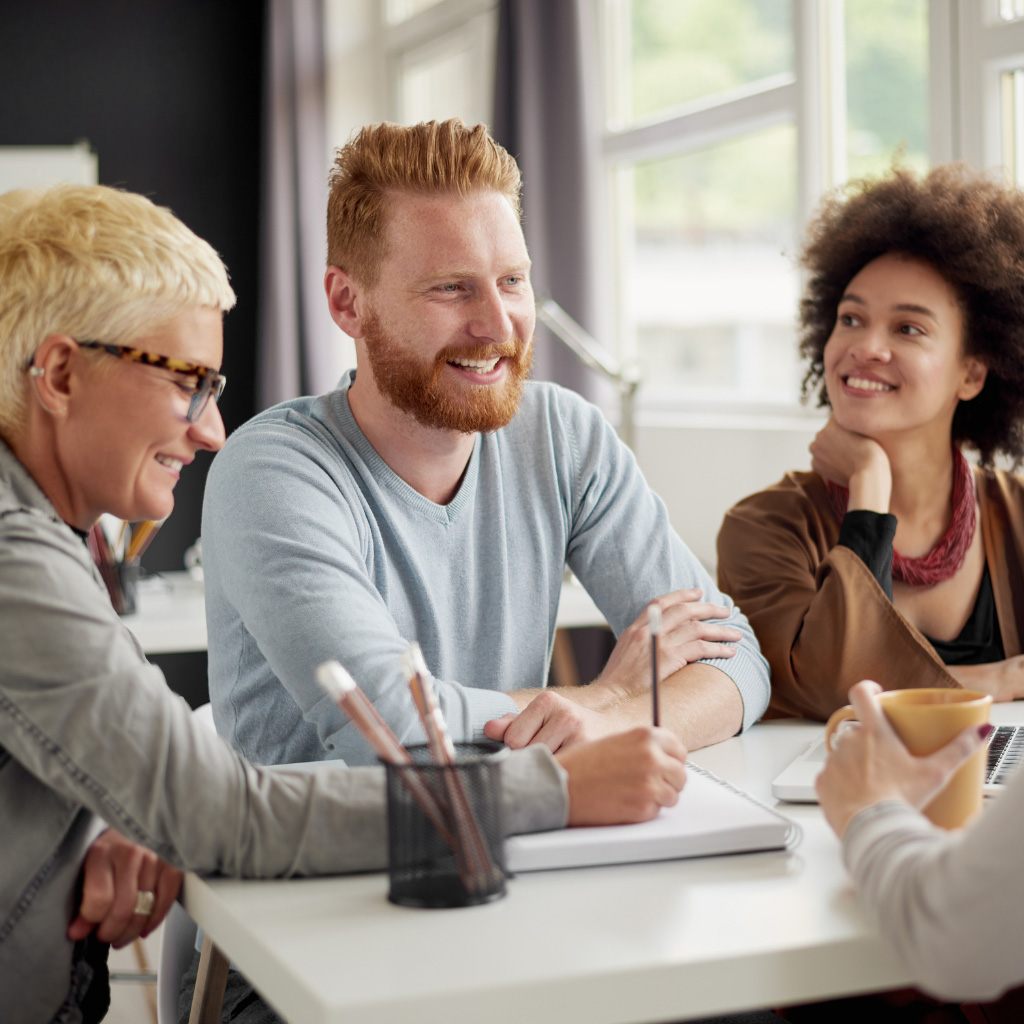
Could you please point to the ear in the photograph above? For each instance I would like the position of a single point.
(346, 299)
(51, 374)
(975, 373)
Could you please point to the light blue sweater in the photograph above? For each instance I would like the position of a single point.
(314, 549)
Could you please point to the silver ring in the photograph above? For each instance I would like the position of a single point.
(144, 903)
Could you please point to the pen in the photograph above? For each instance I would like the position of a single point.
(654, 621)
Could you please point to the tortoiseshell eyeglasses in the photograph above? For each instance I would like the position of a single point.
(209, 382)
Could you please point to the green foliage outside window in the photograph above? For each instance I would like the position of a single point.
(688, 51)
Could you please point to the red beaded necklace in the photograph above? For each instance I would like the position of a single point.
(945, 559)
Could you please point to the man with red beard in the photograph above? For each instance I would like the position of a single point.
(437, 495)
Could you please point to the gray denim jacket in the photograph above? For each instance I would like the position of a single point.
(89, 730)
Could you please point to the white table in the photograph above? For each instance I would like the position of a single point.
(617, 945)
(171, 614)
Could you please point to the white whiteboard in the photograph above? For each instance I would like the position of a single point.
(28, 166)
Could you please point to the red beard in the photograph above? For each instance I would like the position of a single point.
(419, 390)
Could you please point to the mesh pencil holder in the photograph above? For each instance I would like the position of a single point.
(122, 580)
(445, 829)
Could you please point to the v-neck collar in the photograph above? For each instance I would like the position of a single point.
(386, 477)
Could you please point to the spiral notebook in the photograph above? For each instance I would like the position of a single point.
(712, 817)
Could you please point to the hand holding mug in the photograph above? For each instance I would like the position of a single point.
(925, 747)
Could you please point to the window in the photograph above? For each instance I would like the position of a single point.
(990, 118)
(441, 78)
(402, 10)
(407, 61)
(440, 58)
(886, 46)
(724, 122)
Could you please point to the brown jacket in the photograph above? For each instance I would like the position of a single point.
(823, 621)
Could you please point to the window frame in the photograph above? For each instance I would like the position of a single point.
(812, 97)
(985, 47)
(969, 48)
(431, 28)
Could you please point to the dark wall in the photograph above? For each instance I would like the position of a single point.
(167, 92)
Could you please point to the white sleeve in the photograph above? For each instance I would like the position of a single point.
(951, 904)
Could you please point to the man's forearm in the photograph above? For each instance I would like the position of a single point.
(699, 703)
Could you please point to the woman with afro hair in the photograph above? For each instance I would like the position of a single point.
(894, 559)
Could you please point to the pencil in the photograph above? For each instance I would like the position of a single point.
(476, 868)
(122, 539)
(442, 750)
(142, 537)
(342, 687)
(654, 621)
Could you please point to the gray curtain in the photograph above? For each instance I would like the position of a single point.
(541, 118)
(295, 330)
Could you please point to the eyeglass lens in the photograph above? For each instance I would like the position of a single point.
(211, 386)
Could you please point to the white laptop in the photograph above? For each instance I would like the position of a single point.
(795, 783)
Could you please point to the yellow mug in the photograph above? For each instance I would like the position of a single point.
(925, 720)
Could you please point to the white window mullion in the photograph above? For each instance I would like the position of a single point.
(620, 181)
(757, 106)
(821, 110)
(988, 48)
(945, 142)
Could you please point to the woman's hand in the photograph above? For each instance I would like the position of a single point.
(687, 634)
(853, 461)
(115, 871)
(624, 778)
(1004, 680)
(869, 763)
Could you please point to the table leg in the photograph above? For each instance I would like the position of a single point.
(211, 980)
(563, 660)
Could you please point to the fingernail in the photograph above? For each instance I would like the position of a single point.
(985, 730)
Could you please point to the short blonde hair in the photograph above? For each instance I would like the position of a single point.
(434, 157)
(98, 264)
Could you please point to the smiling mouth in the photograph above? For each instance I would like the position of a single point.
(174, 464)
(475, 365)
(863, 384)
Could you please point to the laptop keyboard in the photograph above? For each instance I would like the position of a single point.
(1005, 753)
